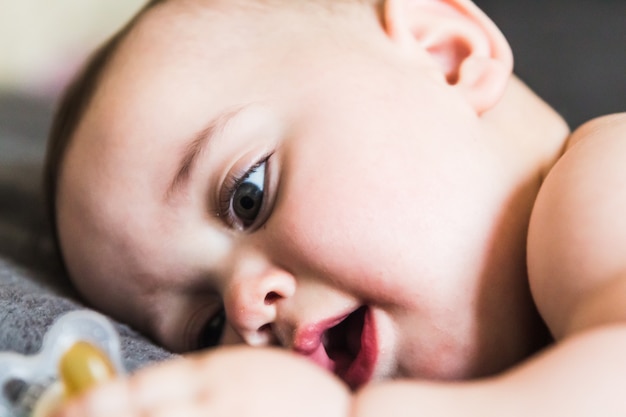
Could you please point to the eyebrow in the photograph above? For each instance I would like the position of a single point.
(194, 148)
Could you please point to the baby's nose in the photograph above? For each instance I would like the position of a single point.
(254, 297)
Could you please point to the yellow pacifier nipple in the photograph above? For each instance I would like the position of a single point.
(82, 367)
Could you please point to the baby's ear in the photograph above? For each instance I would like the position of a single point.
(465, 45)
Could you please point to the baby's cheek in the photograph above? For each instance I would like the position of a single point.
(328, 242)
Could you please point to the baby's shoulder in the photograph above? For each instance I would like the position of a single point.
(609, 127)
(577, 239)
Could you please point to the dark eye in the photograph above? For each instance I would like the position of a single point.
(247, 199)
(213, 330)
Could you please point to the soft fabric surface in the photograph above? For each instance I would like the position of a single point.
(28, 308)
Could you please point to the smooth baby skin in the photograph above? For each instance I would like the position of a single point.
(404, 164)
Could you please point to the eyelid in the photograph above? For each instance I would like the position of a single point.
(233, 181)
(197, 320)
(219, 311)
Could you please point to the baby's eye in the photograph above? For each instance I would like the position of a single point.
(247, 197)
(211, 334)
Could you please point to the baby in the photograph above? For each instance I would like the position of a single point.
(364, 184)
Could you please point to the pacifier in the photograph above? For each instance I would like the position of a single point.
(80, 350)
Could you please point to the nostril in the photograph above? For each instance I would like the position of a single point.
(271, 297)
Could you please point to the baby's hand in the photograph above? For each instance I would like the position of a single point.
(237, 382)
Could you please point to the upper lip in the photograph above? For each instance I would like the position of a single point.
(345, 345)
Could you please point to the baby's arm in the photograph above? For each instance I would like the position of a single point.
(577, 241)
(226, 382)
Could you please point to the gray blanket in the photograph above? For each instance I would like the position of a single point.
(28, 308)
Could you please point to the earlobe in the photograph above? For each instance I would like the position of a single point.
(466, 47)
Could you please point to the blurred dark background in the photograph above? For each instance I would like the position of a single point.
(571, 52)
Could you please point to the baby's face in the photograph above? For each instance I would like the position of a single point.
(326, 188)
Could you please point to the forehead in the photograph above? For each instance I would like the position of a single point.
(221, 29)
(208, 54)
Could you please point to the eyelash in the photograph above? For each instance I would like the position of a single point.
(232, 182)
(216, 335)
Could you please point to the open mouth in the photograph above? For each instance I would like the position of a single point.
(351, 348)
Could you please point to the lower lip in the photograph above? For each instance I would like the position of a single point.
(361, 370)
